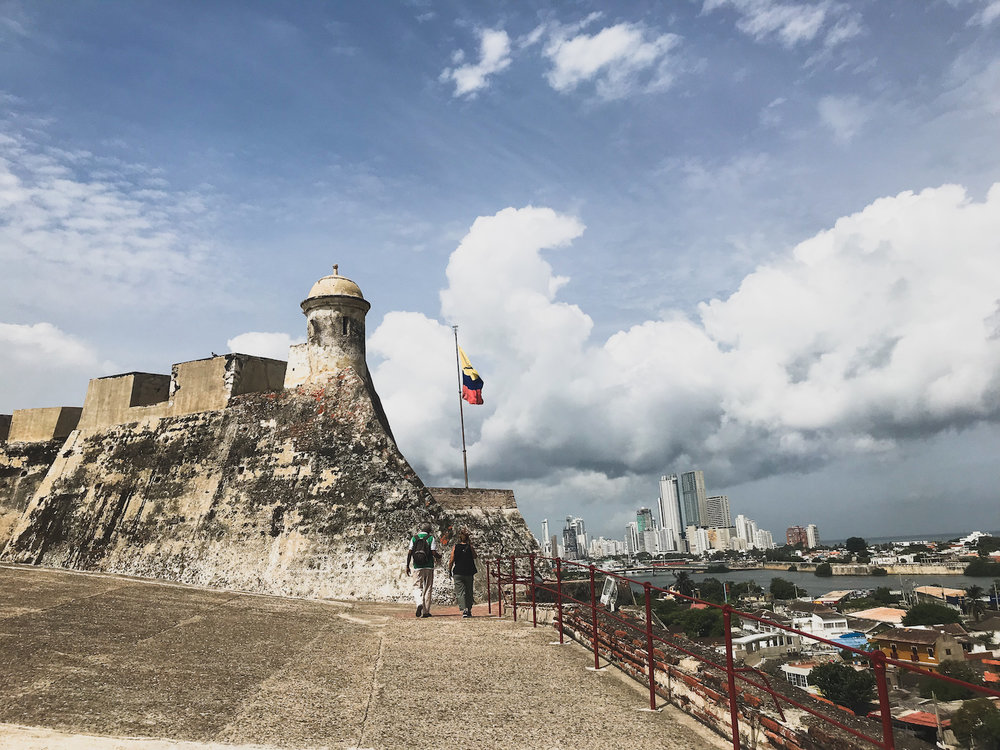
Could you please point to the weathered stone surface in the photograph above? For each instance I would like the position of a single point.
(299, 492)
(22, 468)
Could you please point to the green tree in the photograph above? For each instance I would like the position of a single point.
(782, 589)
(987, 544)
(948, 691)
(701, 623)
(844, 685)
(883, 596)
(744, 588)
(982, 567)
(683, 583)
(978, 722)
(856, 544)
(929, 613)
(712, 590)
(823, 570)
(878, 572)
(973, 604)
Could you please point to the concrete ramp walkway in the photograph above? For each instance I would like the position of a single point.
(99, 661)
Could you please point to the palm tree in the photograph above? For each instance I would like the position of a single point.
(973, 602)
(683, 583)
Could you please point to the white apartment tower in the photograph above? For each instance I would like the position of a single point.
(669, 507)
(812, 536)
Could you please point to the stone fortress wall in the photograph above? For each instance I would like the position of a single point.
(239, 472)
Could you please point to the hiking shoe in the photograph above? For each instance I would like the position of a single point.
(420, 610)
(426, 614)
(466, 614)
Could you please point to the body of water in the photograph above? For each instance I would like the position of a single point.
(815, 586)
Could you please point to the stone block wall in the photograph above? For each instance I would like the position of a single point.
(299, 492)
(22, 468)
(40, 425)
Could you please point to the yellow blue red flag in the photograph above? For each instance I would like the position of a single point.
(472, 384)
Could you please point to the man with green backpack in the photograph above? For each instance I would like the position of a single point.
(423, 554)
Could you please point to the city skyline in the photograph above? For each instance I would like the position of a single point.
(758, 238)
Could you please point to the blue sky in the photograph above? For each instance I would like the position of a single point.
(750, 236)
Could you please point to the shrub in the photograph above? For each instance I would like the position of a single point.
(823, 570)
(929, 613)
(845, 685)
(978, 721)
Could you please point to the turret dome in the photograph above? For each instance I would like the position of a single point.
(335, 285)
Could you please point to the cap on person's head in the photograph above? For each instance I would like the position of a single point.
(426, 528)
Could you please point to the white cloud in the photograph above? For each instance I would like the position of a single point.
(72, 239)
(792, 24)
(845, 116)
(618, 59)
(494, 57)
(989, 13)
(261, 344)
(878, 330)
(38, 360)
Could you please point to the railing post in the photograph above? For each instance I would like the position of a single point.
(734, 709)
(649, 647)
(534, 609)
(513, 586)
(489, 590)
(559, 597)
(499, 590)
(888, 738)
(593, 616)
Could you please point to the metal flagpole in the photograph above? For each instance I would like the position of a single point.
(461, 408)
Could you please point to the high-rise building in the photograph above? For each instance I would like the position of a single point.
(796, 536)
(632, 538)
(717, 512)
(764, 540)
(692, 498)
(644, 519)
(546, 550)
(812, 536)
(554, 546)
(669, 506)
(569, 540)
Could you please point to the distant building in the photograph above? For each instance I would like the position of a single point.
(693, 498)
(812, 536)
(924, 647)
(764, 540)
(717, 512)
(632, 538)
(669, 506)
(644, 519)
(698, 540)
(796, 536)
(569, 540)
(546, 549)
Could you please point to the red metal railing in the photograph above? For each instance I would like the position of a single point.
(495, 571)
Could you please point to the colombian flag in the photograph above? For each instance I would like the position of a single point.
(472, 384)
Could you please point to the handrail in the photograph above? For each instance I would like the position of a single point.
(878, 660)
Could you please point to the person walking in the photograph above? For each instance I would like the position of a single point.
(423, 554)
(462, 567)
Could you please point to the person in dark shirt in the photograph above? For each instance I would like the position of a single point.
(462, 567)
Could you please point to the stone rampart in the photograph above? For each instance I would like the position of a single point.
(22, 468)
(192, 387)
(471, 498)
(40, 425)
(299, 492)
(4, 427)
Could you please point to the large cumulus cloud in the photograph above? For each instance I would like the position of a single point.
(883, 328)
